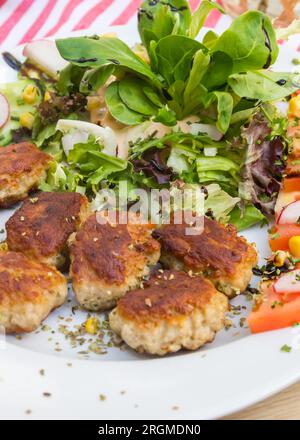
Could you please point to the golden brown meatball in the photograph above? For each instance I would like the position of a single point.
(218, 253)
(109, 259)
(43, 224)
(172, 311)
(22, 168)
(29, 291)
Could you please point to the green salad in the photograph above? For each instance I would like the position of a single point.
(174, 111)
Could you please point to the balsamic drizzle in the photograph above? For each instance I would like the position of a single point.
(84, 60)
(11, 61)
(152, 3)
(174, 8)
(148, 14)
(268, 46)
(112, 60)
(281, 82)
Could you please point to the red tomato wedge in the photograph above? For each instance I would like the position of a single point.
(280, 235)
(276, 311)
(291, 184)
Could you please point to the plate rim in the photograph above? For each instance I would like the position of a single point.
(266, 346)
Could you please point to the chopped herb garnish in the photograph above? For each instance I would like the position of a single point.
(286, 348)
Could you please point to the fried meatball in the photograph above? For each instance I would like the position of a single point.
(29, 291)
(43, 224)
(217, 252)
(22, 168)
(172, 311)
(108, 259)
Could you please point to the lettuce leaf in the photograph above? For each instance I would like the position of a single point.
(264, 165)
(244, 216)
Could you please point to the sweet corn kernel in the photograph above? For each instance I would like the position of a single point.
(47, 96)
(26, 120)
(294, 246)
(294, 106)
(92, 325)
(30, 94)
(280, 258)
(93, 103)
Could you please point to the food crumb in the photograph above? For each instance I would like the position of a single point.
(46, 394)
(286, 348)
(148, 302)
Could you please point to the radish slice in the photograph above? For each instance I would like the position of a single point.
(44, 55)
(290, 214)
(4, 110)
(288, 283)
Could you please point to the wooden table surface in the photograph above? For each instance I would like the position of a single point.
(282, 406)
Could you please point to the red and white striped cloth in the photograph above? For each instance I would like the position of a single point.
(25, 20)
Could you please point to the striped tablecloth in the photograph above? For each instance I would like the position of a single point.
(24, 20)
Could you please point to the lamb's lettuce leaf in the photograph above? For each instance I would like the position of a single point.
(118, 108)
(200, 15)
(91, 52)
(175, 54)
(264, 85)
(131, 91)
(250, 41)
(93, 79)
(158, 19)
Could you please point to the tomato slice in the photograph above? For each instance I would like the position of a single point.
(291, 184)
(280, 235)
(275, 312)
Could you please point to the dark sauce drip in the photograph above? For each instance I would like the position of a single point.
(112, 60)
(269, 47)
(174, 8)
(84, 60)
(281, 82)
(153, 3)
(142, 12)
(11, 61)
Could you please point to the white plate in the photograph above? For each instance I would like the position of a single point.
(236, 370)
